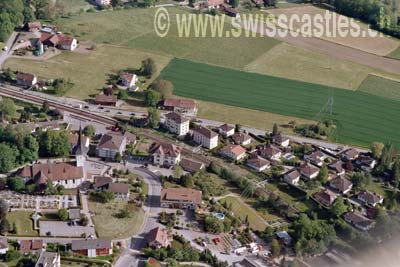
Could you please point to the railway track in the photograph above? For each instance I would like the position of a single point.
(21, 95)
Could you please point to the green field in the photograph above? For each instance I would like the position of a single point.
(23, 222)
(361, 118)
(395, 54)
(381, 87)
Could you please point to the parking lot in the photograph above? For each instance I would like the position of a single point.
(63, 229)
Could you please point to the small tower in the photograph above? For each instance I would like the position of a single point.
(79, 150)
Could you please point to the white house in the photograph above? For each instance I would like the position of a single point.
(292, 177)
(3, 245)
(112, 143)
(309, 171)
(316, 157)
(103, 2)
(226, 130)
(258, 163)
(281, 140)
(241, 139)
(165, 154)
(67, 43)
(271, 152)
(234, 152)
(176, 123)
(205, 137)
(128, 80)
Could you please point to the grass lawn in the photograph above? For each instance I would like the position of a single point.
(108, 225)
(381, 87)
(23, 221)
(241, 209)
(395, 54)
(1, 45)
(98, 65)
(291, 197)
(361, 118)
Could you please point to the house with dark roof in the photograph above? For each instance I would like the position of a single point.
(292, 177)
(281, 140)
(120, 190)
(180, 198)
(128, 80)
(357, 220)
(226, 130)
(241, 138)
(28, 246)
(270, 152)
(341, 184)
(184, 106)
(106, 100)
(315, 157)
(92, 247)
(205, 137)
(26, 80)
(112, 143)
(366, 163)
(165, 154)
(176, 123)
(349, 154)
(326, 197)
(370, 198)
(159, 238)
(233, 152)
(3, 245)
(337, 167)
(308, 171)
(191, 166)
(258, 163)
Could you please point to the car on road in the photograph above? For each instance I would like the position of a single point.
(5, 48)
(100, 107)
(86, 107)
(119, 112)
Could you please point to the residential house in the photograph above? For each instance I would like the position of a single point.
(292, 177)
(326, 197)
(308, 171)
(3, 245)
(281, 140)
(183, 106)
(92, 247)
(357, 220)
(337, 167)
(112, 143)
(120, 190)
(26, 80)
(315, 157)
(182, 198)
(106, 100)
(67, 43)
(284, 237)
(366, 163)
(101, 182)
(258, 163)
(205, 137)
(103, 3)
(349, 154)
(128, 80)
(341, 184)
(233, 152)
(241, 138)
(159, 238)
(271, 152)
(165, 154)
(226, 130)
(67, 174)
(176, 123)
(230, 11)
(43, 126)
(191, 165)
(215, 3)
(33, 26)
(49, 259)
(370, 198)
(28, 246)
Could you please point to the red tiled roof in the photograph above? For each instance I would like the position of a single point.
(177, 118)
(181, 194)
(52, 171)
(205, 132)
(180, 103)
(237, 150)
(166, 149)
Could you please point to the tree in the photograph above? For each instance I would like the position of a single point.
(187, 181)
(323, 174)
(45, 106)
(15, 184)
(123, 95)
(4, 226)
(212, 225)
(108, 90)
(89, 131)
(118, 157)
(8, 157)
(151, 98)
(237, 128)
(149, 3)
(54, 144)
(7, 108)
(234, 3)
(3, 183)
(6, 26)
(148, 65)
(153, 117)
(84, 220)
(164, 87)
(338, 207)
(3, 209)
(275, 248)
(177, 173)
(62, 214)
(275, 129)
(376, 149)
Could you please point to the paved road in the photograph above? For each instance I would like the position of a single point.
(5, 54)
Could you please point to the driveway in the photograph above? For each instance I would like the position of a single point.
(5, 54)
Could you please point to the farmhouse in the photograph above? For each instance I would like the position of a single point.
(292, 177)
(325, 197)
(349, 154)
(359, 221)
(370, 198)
(3, 245)
(205, 137)
(159, 238)
(103, 3)
(241, 139)
(281, 140)
(92, 247)
(184, 106)
(60, 173)
(226, 130)
(114, 142)
(182, 198)
(165, 154)
(33, 26)
(67, 43)
(234, 152)
(128, 80)
(176, 123)
(49, 259)
(191, 165)
(315, 157)
(106, 100)
(26, 80)
(28, 246)
(366, 163)
(337, 167)
(341, 184)
(309, 171)
(258, 163)
(271, 152)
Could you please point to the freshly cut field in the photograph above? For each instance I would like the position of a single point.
(395, 54)
(362, 118)
(379, 45)
(381, 87)
(134, 28)
(89, 72)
